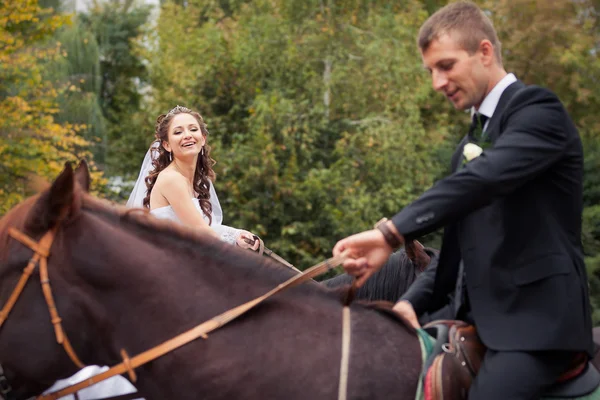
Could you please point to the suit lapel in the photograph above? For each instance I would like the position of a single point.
(493, 128)
(457, 157)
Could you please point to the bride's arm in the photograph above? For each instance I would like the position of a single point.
(227, 233)
(175, 190)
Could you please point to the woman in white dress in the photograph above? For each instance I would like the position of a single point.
(175, 180)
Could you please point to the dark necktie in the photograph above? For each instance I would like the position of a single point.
(477, 124)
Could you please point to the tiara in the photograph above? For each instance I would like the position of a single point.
(177, 110)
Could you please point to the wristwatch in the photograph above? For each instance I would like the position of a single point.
(393, 239)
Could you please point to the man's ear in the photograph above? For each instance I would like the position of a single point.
(82, 175)
(487, 52)
(53, 204)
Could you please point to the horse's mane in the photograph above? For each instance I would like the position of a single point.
(389, 283)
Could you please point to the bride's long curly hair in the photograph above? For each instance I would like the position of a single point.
(204, 172)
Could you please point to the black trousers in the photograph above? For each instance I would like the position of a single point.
(518, 375)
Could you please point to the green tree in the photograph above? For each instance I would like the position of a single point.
(32, 141)
(79, 71)
(321, 117)
(117, 26)
(303, 98)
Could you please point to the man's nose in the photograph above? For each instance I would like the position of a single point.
(439, 80)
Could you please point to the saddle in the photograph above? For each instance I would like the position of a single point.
(457, 356)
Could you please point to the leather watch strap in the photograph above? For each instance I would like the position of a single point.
(391, 238)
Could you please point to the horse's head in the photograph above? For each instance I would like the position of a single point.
(29, 354)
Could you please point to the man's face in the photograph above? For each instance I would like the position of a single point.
(461, 77)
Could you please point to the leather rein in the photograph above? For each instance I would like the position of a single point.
(262, 249)
(41, 251)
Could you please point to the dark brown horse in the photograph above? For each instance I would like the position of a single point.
(124, 280)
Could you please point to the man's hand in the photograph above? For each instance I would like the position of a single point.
(406, 310)
(367, 252)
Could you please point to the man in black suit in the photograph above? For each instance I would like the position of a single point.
(512, 217)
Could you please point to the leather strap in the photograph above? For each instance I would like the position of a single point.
(390, 237)
(415, 252)
(27, 271)
(41, 253)
(199, 331)
(262, 249)
(345, 360)
(276, 257)
(41, 249)
(61, 336)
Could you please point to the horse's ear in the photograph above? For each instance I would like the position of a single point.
(82, 175)
(53, 204)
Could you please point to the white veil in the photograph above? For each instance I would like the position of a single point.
(136, 198)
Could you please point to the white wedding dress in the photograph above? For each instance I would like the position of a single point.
(227, 233)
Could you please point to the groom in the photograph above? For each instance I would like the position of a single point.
(511, 256)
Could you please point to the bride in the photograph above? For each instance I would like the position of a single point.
(175, 181)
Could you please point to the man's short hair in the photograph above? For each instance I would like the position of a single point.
(464, 19)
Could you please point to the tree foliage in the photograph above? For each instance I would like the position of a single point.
(32, 141)
(115, 26)
(79, 71)
(319, 111)
(322, 119)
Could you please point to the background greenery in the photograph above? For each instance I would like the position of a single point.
(322, 118)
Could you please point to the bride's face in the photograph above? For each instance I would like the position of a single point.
(184, 138)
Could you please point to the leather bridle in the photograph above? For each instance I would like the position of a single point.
(262, 249)
(41, 251)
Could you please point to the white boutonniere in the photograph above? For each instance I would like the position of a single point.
(471, 151)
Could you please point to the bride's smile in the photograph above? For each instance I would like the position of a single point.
(185, 137)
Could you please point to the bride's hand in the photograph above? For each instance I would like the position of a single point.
(246, 241)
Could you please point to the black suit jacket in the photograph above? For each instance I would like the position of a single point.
(513, 215)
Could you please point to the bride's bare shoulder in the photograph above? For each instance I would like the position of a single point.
(169, 179)
(169, 175)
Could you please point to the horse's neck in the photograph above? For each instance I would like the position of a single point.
(164, 289)
(288, 346)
